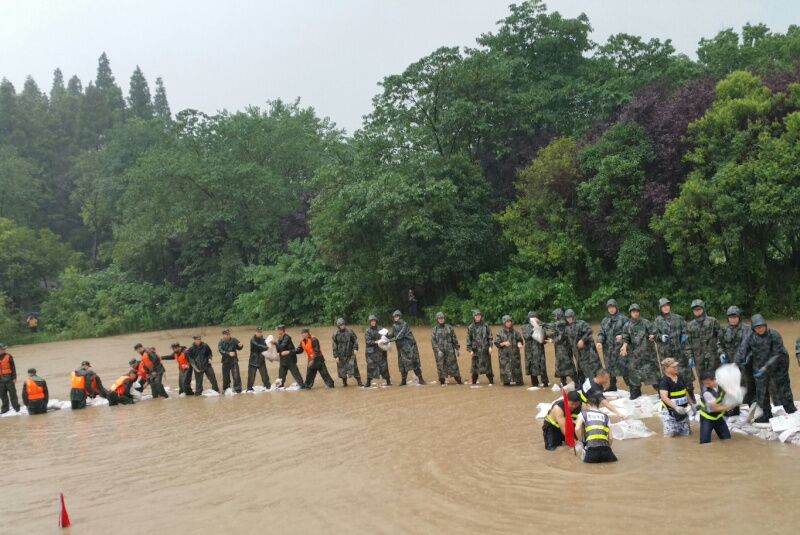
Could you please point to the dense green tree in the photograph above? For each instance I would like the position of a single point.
(160, 104)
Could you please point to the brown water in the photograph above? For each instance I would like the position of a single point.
(392, 460)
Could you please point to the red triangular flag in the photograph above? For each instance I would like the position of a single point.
(569, 425)
(63, 519)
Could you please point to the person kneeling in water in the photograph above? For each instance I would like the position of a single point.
(593, 429)
(554, 422)
(711, 409)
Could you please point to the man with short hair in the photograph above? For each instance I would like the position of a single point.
(444, 343)
(288, 358)
(8, 378)
(184, 368)
(670, 339)
(771, 365)
(85, 384)
(154, 370)
(509, 343)
(345, 348)
(556, 419)
(34, 393)
(732, 339)
(200, 355)
(702, 344)
(407, 351)
(257, 362)
(229, 348)
(535, 362)
(557, 335)
(120, 392)
(316, 360)
(377, 361)
(581, 341)
(638, 337)
(479, 343)
(609, 341)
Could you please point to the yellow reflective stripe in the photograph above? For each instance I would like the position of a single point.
(597, 437)
(582, 396)
(677, 394)
(595, 427)
(552, 421)
(707, 416)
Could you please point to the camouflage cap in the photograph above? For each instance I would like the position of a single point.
(698, 303)
(758, 321)
(476, 312)
(663, 301)
(340, 321)
(372, 317)
(612, 303)
(557, 313)
(440, 315)
(532, 314)
(733, 311)
(397, 313)
(569, 313)
(634, 306)
(507, 318)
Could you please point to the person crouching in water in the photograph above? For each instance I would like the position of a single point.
(34, 394)
(711, 409)
(120, 391)
(85, 384)
(554, 422)
(674, 400)
(593, 429)
(316, 361)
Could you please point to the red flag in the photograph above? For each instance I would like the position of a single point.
(63, 519)
(569, 425)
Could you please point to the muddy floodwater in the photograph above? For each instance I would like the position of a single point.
(411, 459)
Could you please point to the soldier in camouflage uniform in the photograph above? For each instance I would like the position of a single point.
(771, 364)
(702, 344)
(670, 337)
(732, 341)
(345, 346)
(535, 362)
(556, 334)
(609, 340)
(407, 350)
(638, 347)
(479, 344)
(377, 362)
(581, 341)
(509, 342)
(445, 348)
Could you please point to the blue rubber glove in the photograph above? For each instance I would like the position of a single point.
(692, 364)
(758, 373)
(684, 337)
(723, 358)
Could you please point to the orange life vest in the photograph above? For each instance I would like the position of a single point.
(35, 391)
(182, 360)
(5, 365)
(146, 362)
(308, 347)
(120, 385)
(142, 371)
(78, 381)
(33, 322)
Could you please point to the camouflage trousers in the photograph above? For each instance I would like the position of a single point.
(447, 364)
(407, 357)
(482, 363)
(616, 365)
(347, 367)
(775, 384)
(709, 361)
(589, 361)
(510, 367)
(565, 367)
(643, 370)
(377, 365)
(535, 361)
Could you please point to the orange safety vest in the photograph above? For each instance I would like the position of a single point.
(141, 371)
(182, 360)
(120, 385)
(5, 365)
(78, 382)
(35, 391)
(146, 362)
(308, 347)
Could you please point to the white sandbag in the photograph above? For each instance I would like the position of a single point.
(784, 422)
(258, 390)
(617, 394)
(538, 330)
(294, 388)
(229, 392)
(210, 393)
(630, 429)
(383, 332)
(384, 342)
(569, 387)
(543, 409)
(534, 388)
(97, 402)
(58, 405)
(271, 354)
(729, 378)
(12, 412)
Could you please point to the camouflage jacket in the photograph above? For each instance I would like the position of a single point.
(479, 337)
(345, 343)
(673, 326)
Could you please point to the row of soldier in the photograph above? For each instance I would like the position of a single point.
(631, 347)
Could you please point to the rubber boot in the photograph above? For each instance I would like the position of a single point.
(474, 378)
(441, 381)
(403, 378)
(418, 373)
(636, 391)
(563, 380)
(458, 380)
(613, 386)
(367, 384)
(491, 379)
(344, 382)
(545, 382)
(358, 379)
(534, 380)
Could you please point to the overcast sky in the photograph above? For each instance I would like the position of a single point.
(217, 55)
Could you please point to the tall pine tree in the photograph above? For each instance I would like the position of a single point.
(139, 96)
(58, 90)
(160, 103)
